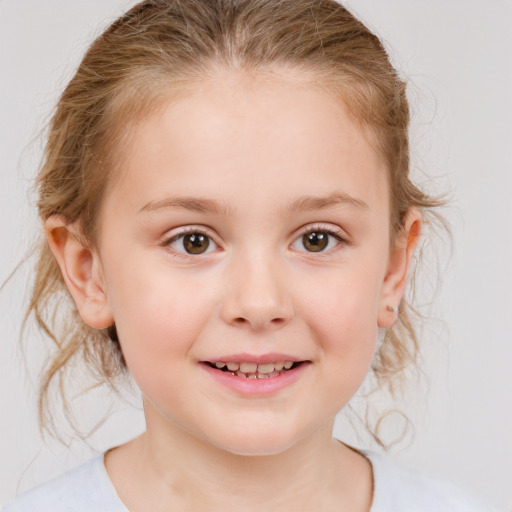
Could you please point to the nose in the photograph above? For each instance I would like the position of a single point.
(257, 295)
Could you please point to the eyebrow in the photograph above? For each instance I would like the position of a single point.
(304, 203)
(195, 204)
(308, 203)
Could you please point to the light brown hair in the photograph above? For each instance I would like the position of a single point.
(161, 47)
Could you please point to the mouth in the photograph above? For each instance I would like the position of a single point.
(249, 370)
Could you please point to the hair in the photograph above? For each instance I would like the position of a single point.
(160, 48)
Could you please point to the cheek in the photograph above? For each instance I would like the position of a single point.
(158, 317)
(348, 334)
(344, 307)
(342, 317)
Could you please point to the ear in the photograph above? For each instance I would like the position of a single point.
(81, 269)
(397, 271)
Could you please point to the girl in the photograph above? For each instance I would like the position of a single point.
(225, 197)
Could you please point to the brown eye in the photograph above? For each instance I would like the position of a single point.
(315, 241)
(318, 240)
(196, 243)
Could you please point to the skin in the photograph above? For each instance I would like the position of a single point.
(255, 145)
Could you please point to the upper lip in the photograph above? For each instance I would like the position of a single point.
(254, 358)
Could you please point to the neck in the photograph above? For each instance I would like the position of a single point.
(179, 470)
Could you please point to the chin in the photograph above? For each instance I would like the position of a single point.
(256, 443)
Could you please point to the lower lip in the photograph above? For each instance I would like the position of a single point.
(257, 387)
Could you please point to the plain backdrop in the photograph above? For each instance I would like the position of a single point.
(457, 56)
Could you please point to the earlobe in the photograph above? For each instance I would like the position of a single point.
(81, 269)
(397, 272)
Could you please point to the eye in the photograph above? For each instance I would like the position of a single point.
(317, 240)
(192, 242)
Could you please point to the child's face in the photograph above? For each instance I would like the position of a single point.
(246, 169)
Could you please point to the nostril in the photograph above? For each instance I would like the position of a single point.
(274, 322)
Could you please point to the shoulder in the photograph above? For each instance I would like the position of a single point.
(82, 489)
(398, 489)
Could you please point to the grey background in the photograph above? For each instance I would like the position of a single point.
(458, 56)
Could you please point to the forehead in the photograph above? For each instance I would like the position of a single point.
(243, 137)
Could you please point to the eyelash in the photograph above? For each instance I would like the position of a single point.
(186, 231)
(338, 235)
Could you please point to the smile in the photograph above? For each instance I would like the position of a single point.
(247, 370)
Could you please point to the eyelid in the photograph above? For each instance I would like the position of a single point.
(173, 236)
(335, 231)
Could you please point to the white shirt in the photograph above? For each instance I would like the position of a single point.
(88, 489)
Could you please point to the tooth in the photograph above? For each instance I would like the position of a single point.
(241, 374)
(252, 376)
(248, 367)
(263, 376)
(278, 366)
(233, 367)
(220, 364)
(266, 368)
(274, 374)
(287, 365)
